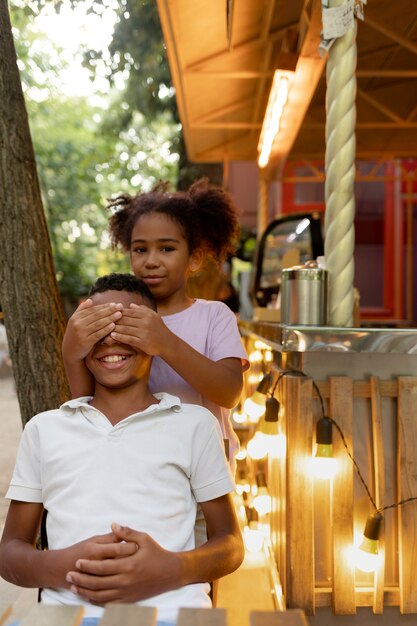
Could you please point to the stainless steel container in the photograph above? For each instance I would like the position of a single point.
(304, 295)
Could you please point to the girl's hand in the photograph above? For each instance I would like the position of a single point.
(143, 329)
(147, 572)
(87, 325)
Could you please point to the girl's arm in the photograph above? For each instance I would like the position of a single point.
(23, 565)
(87, 325)
(219, 381)
(153, 570)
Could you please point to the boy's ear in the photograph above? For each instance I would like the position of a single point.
(196, 260)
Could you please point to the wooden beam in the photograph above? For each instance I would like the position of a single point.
(243, 48)
(379, 106)
(308, 72)
(387, 32)
(226, 110)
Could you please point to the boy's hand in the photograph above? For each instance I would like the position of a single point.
(149, 571)
(143, 329)
(97, 548)
(87, 325)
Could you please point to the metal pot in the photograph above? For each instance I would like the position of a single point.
(304, 295)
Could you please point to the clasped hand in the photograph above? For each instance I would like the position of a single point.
(145, 572)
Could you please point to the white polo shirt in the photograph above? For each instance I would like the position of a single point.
(146, 472)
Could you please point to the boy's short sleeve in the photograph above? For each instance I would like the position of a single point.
(210, 472)
(25, 485)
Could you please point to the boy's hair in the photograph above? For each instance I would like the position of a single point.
(123, 282)
(206, 215)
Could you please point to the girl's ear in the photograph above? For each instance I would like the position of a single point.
(196, 260)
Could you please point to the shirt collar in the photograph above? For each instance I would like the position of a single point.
(166, 401)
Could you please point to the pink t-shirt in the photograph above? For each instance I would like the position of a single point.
(210, 328)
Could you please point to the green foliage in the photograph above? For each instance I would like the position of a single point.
(84, 156)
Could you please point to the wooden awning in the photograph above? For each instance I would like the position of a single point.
(223, 55)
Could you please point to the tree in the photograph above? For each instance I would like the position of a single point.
(138, 51)
(29, 295)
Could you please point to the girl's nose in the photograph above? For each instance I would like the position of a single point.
(152, 259)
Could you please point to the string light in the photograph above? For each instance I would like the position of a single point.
(367, 556)
(324, 465)
(274, 439)
(262, 500)
(254, 406)
(256, 447)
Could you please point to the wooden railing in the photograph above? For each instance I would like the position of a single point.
(133, 615)
(313, 524)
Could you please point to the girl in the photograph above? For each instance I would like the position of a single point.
(198, 353)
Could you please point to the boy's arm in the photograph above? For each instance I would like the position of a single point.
(219, 381)
(87, 325)
(23, 565)
(153, 570)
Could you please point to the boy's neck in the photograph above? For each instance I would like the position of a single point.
(117, 404)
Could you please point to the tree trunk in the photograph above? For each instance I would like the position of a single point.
(29, 295)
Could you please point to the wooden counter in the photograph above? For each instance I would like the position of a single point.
(367, 380)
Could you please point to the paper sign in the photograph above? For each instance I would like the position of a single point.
(338, 20)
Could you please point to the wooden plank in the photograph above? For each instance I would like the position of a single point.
(277, 490)
(128, 615)
(379, 480)
(202, 617)
(292, 617)
(407, 488)
(52, 615)
(364, 597)
(341, 410)
(299, 506)
(362, 388)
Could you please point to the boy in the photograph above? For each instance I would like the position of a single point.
(127, 455)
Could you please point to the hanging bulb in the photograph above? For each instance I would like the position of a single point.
(274, 439)
(255, 356)
(262, 500)
(254, 405)
(242, 484)
(256, 447)
(324, 465)
(367, 557)
(268, 424)
(253, 536)
(238, 415)
(241, 455)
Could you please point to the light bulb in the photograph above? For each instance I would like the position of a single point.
(242, 484)
(367, 556)
(324, 465)
(254, 405)
(257, 446)
(262, 500)
(253, 537)
(277, 445)
(241, 455)
(269, 422)
(255, 356)
(239, 417)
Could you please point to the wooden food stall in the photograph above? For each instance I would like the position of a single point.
(325, 85)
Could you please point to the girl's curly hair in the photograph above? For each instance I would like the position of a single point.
(206, 214)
